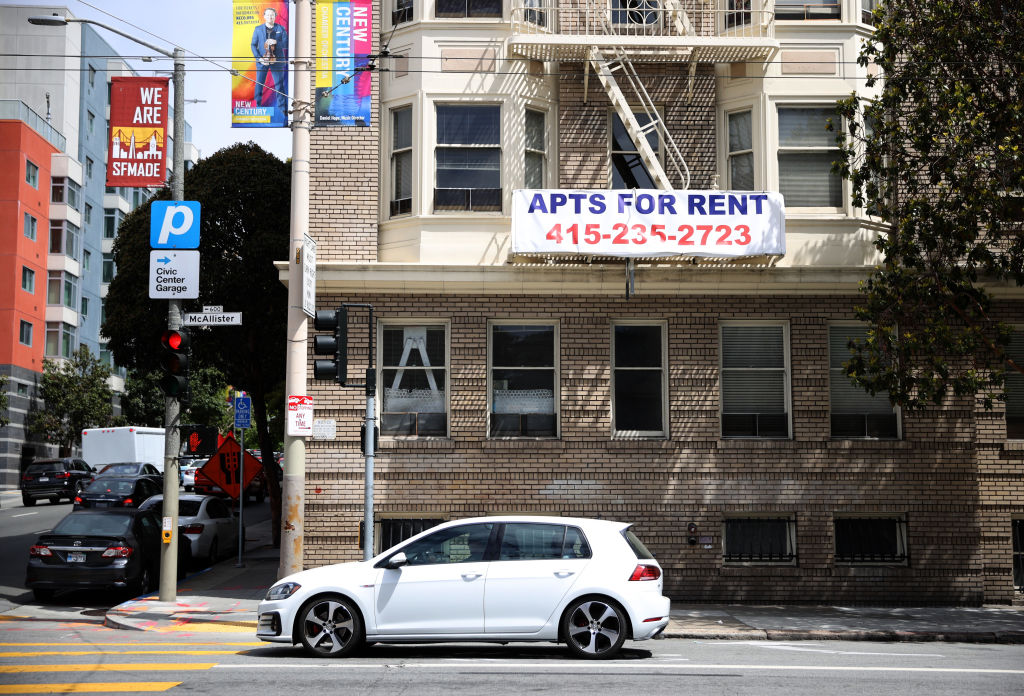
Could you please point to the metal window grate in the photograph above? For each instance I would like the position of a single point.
(871, 540)
(760, 540)
(1018, 555)
(395, 531)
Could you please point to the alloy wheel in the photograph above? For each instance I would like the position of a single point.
(331, 627)
(594, 629)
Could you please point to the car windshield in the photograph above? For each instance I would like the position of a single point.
(106, 485)
(43, 468)
(107, 525)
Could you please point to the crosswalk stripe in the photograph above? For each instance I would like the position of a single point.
(43, 653)
(111, 667)
(87, 688)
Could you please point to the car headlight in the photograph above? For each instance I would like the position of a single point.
(283, 591)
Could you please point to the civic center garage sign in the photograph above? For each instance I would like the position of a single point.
(648, 223)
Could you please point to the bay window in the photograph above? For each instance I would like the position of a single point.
(806, 153)
(468, 158)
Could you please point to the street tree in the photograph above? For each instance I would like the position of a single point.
(143, 401)
(4, 420)
(244, 193)
(75, 396)
(938, 155)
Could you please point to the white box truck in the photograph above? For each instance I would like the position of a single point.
(102, 446)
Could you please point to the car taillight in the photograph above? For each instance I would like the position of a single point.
(645, 572)
(62, 475)
(78, 500)
(127, 502)
(39, 550)
(191, 529)
(118, 552)
(27, 477)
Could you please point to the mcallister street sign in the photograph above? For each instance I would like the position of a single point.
(212, 319)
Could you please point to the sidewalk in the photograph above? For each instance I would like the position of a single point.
(224, 599)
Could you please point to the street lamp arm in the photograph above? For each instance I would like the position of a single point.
(57, 20)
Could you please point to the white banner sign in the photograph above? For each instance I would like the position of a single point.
(648, 222)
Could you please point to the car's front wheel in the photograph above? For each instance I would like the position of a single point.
(329, 626)
(594, 629)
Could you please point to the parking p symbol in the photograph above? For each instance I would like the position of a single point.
(174, 225)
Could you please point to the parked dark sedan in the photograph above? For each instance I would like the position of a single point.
(96, 549)
(117, 491)
(54, 479)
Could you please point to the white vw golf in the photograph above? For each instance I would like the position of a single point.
(590, 584)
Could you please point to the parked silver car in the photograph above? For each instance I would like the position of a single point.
(206, 521)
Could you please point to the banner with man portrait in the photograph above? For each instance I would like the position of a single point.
(259, 50)
(344, 39)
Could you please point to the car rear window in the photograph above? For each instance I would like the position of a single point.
(106, 525)
(188, 508)
(121, 469)
(37, 469)
(641, 551)
(109, 485)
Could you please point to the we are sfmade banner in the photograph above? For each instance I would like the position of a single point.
(259, 50)
(648, 222)
(137, 140)
(344, 39)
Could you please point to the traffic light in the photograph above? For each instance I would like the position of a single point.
(335, 345)
(174, 361)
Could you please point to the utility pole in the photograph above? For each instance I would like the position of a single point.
(293, 484)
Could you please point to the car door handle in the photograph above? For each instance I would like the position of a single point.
(471, 576)
(564, 573)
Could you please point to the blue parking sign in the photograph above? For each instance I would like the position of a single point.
(174, 225)
(243, 411)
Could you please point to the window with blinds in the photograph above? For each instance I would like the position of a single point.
(754, 380)
(1015, 388)
(468, 158)
(806, 152)
(854, 412)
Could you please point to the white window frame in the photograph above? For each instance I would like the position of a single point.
(638, 112)
(837, 373)
(556, 368)
(663, 381)
(403, 12)
(66, 337)
(810, 14)
(902, 542)
(528, 151)
(786, 380)
(650, 11)
(388, 323)
(394, 152)
(780, 149)
(791, 539)
(752, 151)
(499, 146)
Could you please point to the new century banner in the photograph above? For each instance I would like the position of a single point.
(343, 42)
(259, 49)
(137, 146)
(648, 222)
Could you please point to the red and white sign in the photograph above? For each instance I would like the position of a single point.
(225, 468)
(137, 146)
(300, 416)
(648, 223)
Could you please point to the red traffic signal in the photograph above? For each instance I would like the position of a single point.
(174, 361)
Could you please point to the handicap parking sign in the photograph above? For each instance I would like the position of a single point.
(243, 412)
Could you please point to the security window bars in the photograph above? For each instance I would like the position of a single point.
(30, 226)
(1015, 388)
(65, 238)
(535, 13)
(738, 13)
(642, 12)
(468, 158)
(871, 540)
(25, 333)
(414, 378)
(806, 152)
(402, 12)
(759, 540)
(391, 532)
(523, 380)
(28, 280)
(741, 152)
(754, 380)
(628, 170)
(804, 10)
(535, 164)
(468, 8)
(401, 161)
(854, 412)
(31, 174)
(638, 359)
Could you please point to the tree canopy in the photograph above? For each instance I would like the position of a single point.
(936, 153)
(76, 396)
(143, 401)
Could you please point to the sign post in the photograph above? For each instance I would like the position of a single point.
(243, 414)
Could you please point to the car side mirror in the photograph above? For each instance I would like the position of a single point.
(397, 561)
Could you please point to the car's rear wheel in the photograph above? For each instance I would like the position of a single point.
(214, 552)
(594, 629)
(145, 581)
(329, 626)
(28, 501)
(41, 594)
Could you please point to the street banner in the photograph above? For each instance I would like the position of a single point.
(344, 39)
(644, 223)
(137, 145)
(259, 49)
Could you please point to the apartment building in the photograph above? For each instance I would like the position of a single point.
(57, 234)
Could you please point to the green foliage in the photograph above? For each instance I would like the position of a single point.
(4, 420)
(143, 402)
(76, 396)
(941, 163)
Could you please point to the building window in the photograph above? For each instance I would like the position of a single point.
(92, 76)
(88, 167)
(759, 540)
(62, 289)
(635, 12)
(401, 14)
(871, 540)
(65, 238)
(90, 120)
(60, 340)
(523, 380)
(414, 380)
(1017, 531)
(28, 280)
(31, 174)
(535, 164)
(867, 9)
(64, 190)
(802, 9)
(754, 380)
(401, 161)
(806, 152)
(1015, 388)
(535, 13)
(86, 260)
(468, 158)
(738, 13)
(391, 532)
(112, 218)
(30, 227)
(468, 8)
(855, 412)
(106, 357)
(85, 307)
(108, 268)
(628, 170)
(87, 215)
(638, 387)
(741, 152)
(25, 333)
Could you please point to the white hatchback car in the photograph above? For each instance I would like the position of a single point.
(590, 584)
